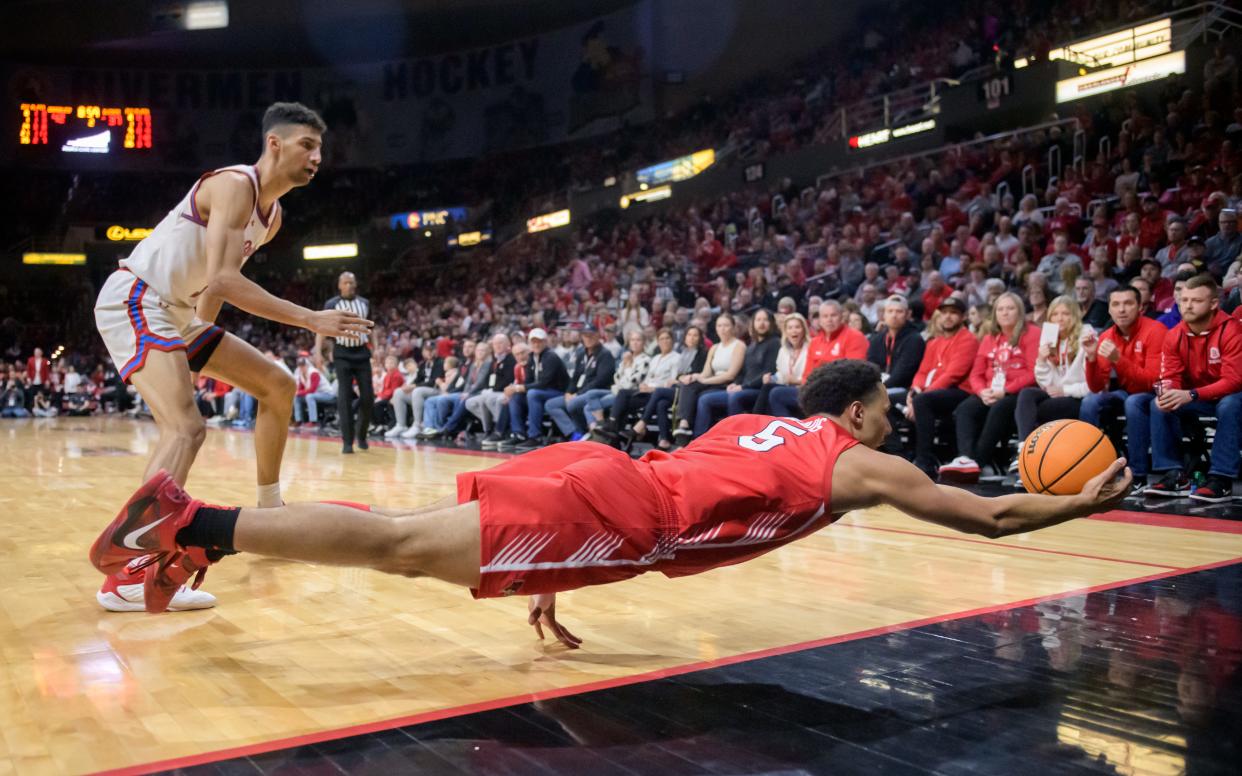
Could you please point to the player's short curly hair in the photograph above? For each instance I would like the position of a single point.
(281, 113)
(833, 387)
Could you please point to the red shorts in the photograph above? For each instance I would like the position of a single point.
(567, 516)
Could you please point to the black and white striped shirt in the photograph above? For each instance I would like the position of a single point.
(360, 307)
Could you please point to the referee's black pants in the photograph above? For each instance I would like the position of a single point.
(353, 364)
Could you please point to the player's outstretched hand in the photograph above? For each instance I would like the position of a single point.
(543, 612)
(338, 323)
(1107, 489)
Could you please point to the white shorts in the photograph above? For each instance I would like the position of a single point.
(134, 320)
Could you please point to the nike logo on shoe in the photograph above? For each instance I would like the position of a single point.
(131, 538)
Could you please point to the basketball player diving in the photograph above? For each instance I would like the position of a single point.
(578, 514)
(157, 317)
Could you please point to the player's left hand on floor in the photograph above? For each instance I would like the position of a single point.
(543, 613)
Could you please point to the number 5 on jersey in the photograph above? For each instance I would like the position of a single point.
(768, 438)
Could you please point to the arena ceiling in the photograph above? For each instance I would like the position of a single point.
(274, 32)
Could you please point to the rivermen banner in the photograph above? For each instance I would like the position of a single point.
(570, 83)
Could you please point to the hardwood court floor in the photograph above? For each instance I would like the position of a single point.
(296, 651)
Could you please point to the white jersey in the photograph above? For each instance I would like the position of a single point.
(172, 260)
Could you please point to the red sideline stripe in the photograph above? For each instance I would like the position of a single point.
(1162, 520)
(604, 684)
(991, 543)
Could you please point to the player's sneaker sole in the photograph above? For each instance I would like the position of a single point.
(130, 598)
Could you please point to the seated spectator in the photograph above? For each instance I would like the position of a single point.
(1173, 317)
(478, 377)
(856, 321)
(835, 340)
(13, 397)
(977, 319)
(77, 404)
(897, 349)
(545, 379)
(1004, 365)
(1223, 248)
(487, 405)
(1200, 374)
(382, 412)
(1028, 212)
(1161, 287)
(43, 407)
(1176, 250)
(937, 388)
(1146, 309)
(458, 377)
(312, 388)
(1101, 274)
(724, 364)
(637, 376)
(779, 394)
(1122, 365)
(1052, 265)
(1094, 312)
(592, 379)
(420, 385)
(758, 363)
(690, 362)
(871, 305)
(1060, 372)
(937, 291)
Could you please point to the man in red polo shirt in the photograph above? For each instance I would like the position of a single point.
(1200, 374)
(835, 340)
(1130, 349)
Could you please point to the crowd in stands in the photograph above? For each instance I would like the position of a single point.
(1104, 294)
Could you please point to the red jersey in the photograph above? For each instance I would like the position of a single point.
(569, 515)
(932, 300)
(1139, 365)
(824, 348)
(749, 485)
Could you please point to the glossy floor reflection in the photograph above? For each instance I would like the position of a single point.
(1137, 680)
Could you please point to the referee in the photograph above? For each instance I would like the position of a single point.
(351, 360)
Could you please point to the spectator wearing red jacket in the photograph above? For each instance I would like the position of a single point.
(936, 390)
(835, 340)
(1200, 374)
(391, 381)
(1123, 364)
(39, 372)
(1004, 365)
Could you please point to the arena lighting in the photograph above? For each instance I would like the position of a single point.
(649, 195)
(59, 259)
(207, 15)
(1116, 48)
(678, 169)
(467, 239)
(1121, 77)
(547, 221)
(118, 233)
(868, 139)
(336, 251)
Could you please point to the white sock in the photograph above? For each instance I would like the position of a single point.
(269, 495)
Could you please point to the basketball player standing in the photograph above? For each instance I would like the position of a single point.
(156, 315)
(351, 360)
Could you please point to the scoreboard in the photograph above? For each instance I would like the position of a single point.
(94, 129)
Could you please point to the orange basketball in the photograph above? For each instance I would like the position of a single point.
(1059, 457)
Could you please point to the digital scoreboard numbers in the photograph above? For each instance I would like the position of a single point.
(89, 129)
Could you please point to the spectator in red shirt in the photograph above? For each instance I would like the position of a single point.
(1152, 224)
(1200, 374)
(1123, 363)
(835, 340)
(1004, 365)
(1161, 287)
(936, 390)
(39, 372)
(392, 380)
(937, 291)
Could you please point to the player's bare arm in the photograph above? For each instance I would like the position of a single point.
(227, 202)
(866, 478)
(208, 306)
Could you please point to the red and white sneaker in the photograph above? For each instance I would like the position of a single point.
(123, 592)
(147, 525)
(164, 581)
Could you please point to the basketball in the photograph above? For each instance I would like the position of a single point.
(1059, 457)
